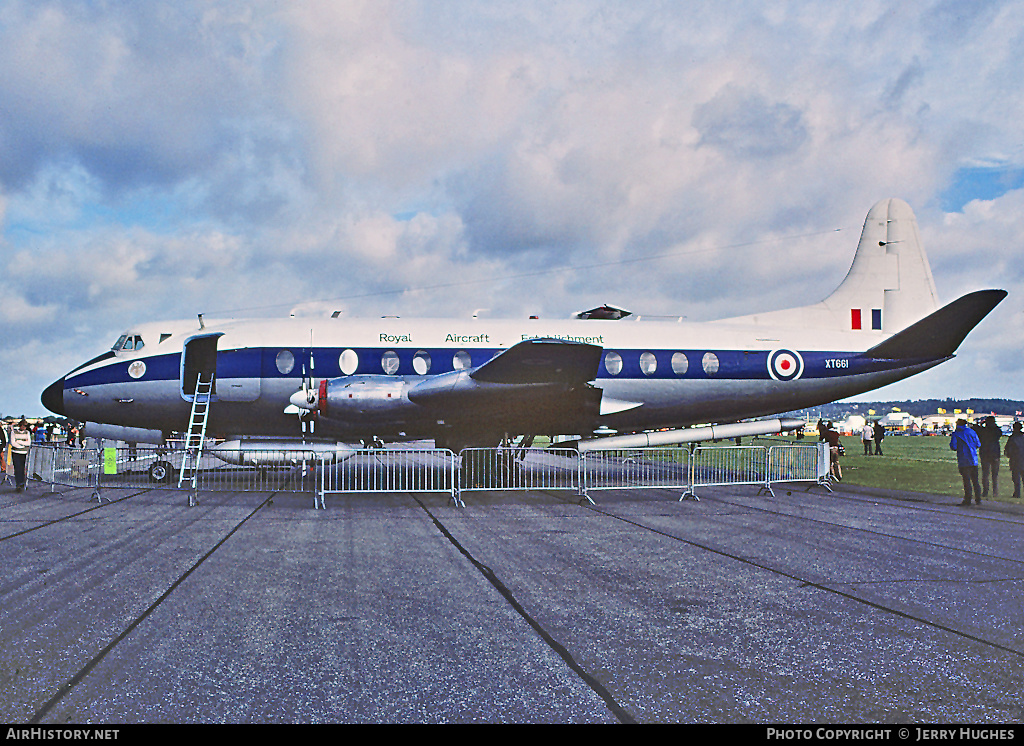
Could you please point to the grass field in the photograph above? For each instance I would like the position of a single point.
(914, 463)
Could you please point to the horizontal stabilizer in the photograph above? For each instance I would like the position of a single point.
(542, 361)
(940, 333)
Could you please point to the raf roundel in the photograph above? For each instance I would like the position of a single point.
(785, 365)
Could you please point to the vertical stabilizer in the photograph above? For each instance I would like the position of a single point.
(890, 284)
(888, 288)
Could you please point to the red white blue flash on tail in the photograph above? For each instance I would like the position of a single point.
(857, 318)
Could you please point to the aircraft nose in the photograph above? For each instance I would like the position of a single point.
(53, 397)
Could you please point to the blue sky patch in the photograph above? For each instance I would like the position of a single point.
(981, 182)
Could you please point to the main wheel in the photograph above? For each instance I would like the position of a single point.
(160, 471)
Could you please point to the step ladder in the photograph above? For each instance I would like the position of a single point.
(196, 435)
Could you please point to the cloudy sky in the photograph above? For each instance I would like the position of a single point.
(703, 159)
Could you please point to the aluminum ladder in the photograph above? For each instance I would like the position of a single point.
(196, 434)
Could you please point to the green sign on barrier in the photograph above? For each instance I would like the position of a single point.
(110, 461)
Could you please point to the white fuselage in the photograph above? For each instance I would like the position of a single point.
(652, 374)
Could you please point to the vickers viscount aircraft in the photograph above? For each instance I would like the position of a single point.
(474, 381)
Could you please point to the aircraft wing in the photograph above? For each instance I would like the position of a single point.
(537, 385)
(542, 360)
(526, 372)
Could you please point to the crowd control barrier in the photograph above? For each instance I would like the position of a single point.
(519, 469)
(635, 468)
(236, 470)
(389, 470)
(322, 472)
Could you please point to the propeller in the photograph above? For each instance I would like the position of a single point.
(309, 390)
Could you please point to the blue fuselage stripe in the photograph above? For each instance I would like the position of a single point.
(262, 363)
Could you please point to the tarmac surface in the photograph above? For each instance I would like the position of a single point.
(521, 607)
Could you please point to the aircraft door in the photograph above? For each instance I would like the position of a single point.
(199, 357)
(237, 371)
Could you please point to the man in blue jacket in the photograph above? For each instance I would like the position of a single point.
(965, 442)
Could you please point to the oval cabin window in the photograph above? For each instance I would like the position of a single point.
(285, 362)
(348, 361)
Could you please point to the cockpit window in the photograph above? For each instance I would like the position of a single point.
(128, 342)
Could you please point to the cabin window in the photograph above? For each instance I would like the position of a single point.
(710, 363)
(285, 362)
(613, 363)
(680, 364)
(648, 363)
(421, 362)
(348, 361)
(389, 362)
(461, 361)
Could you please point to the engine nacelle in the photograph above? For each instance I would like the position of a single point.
(377, 399)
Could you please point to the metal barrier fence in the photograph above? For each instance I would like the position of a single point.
(249, 470)
(728, 465)
(73, 467)
(389, 470)
(635, 468)
(433, 470)
(799, 463)
(519, 469)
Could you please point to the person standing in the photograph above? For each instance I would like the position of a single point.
(966, 444)
(879, 434)
(834, 446)
(21, 441)
(4, 457)
(1014, 451)
(989, 435)
(867, 436)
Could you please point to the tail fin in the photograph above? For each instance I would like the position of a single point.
(889, 285)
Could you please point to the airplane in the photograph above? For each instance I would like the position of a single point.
(597, 377)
